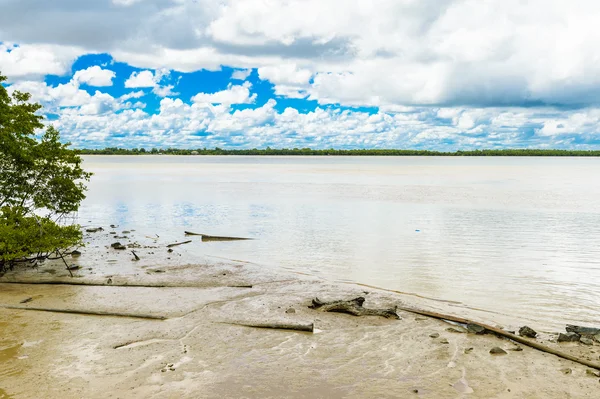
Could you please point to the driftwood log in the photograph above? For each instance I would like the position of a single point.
(85, 312)
(178, 243)
(278, 326)
(353, 307)
(499, 331)
(206, 237)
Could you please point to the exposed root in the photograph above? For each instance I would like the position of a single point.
(353, 307)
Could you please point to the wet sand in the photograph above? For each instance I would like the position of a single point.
(195, 353)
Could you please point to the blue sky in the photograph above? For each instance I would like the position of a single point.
(444, 74)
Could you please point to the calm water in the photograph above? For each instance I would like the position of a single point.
(518, 236)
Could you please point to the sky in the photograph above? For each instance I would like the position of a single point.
(419, 74)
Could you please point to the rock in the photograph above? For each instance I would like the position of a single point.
(527, 332)
(497, 351)
(568, 337)
(126, 232)
(113, 226)
(290, 310)
(94, 229)
(434, 335)
(582, 330)
(566, 371)
(516, 349)
(475, 328)
(113, 232)
(458, 330)
(75, 253)
(170, 250)
(444, 341)
(586, 341)
(115, 244)
(73, 267)
(415, 391)
(468, 350)
(592, 373)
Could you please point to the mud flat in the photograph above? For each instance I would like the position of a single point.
(197, 346)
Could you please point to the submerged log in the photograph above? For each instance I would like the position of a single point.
(206, 237)
(353, 307)
(85, 312)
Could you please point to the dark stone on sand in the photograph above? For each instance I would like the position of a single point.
(586, 341)
(290, 310)
(444, 341)
(434, 335)
(497, 351)
(568, 337)
(583, 330)
(516, 349)
(475, 328)
(118, 245)
(527, 332)
(126, 232)
(468, 350)
(456, 330)
(75, 253)
(94, 229)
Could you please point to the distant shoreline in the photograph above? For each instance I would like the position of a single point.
(332, 152)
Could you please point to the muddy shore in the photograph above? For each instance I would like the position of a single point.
(198, 351)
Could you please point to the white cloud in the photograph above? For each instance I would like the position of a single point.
(241, 74)
(234, 94)
(141, 79)
(94, 76)
(133, 94)
(36, 61)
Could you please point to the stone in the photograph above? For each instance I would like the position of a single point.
(126, 232)
(434, 335)
(75, 253)
(475, 328)
(527, 332)
(458, 330)
(566, 371)
(568, 337)
(468, 350)
(444, 341)
(586, 341)
(290, 310)
(497, 351)
(592, 373)
(94, 229)
(516, 349)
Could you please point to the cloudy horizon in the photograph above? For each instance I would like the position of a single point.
(429, 74)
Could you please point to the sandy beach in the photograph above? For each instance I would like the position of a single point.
(199, 350)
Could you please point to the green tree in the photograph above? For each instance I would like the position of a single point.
(41, 184)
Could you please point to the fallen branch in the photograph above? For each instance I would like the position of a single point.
(178, 243)
(85, 312)
(124, 284)
(135, 255)
(278, 326)
(353, 307)
(505, 334)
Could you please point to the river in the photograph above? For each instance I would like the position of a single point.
(515, 236)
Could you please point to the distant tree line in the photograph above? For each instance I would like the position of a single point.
(333, 152)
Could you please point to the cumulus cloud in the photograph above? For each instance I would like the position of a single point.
(439, 72)
(36, 61)
(94, 76)
(241, 74)
(141, 79)
(390, 52)
(234, 94)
